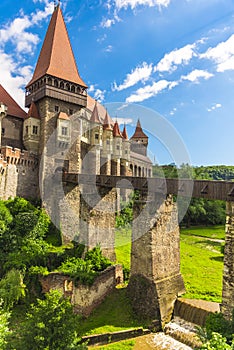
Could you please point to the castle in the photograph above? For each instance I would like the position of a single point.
(64, 117)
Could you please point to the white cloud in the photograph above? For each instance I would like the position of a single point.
(215, 106)
(196, 74)
(124, 120)
(98, 94)
(22, 42)
(109, 48)
(149, 91)
(222, 54)
(179, 56)
(134, 3)
(14, 77)
(140, 74)
(107, 23)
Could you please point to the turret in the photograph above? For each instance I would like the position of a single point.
(117, 149)
(107, 145)
(31, 130)
(139, 140)
(125, 153)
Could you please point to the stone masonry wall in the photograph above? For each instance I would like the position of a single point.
(18, 174)
(84, 298)
(228, 273)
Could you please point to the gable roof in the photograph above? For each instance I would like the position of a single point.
(13, 108)
(56, 57)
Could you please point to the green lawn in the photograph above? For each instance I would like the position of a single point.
(114, 314)
(122, 345)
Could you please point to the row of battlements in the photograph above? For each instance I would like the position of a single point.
(10, 155)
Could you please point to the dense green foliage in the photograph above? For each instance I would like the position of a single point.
(12, 288)
(27, 251)
(4, 326)
(215, 172)
(218, 333)
(50, 325)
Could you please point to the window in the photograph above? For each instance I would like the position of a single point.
(3, 131)
(56, 108)
(35, 130)
(107, 142)
(117, 147)
(64, 131)
(96, 137)
(70, 111)
(26, 130)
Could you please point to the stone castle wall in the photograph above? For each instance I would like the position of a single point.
(84, 298)
(18, 174)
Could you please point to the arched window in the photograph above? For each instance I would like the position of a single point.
(62, 85)
(55, 82)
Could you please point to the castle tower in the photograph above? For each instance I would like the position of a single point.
(124, 165)
(117, 150)
(107, 149)
(56, 85)
(139, 140)
(91, 162)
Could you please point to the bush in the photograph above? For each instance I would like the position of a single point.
(50, 325)
(4, 326)
(95, 258)
(217, 342)
(11, 288)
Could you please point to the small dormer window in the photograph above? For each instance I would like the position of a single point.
(35, 130)
(64, 131)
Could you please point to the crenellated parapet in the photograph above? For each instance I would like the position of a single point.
(10, 155)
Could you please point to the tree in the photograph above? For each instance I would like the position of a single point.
(51, 325)
(4, 329)
(12, 288)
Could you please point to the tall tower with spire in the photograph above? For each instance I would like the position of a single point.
(139, 140)
(56, 85)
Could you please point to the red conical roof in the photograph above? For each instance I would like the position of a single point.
(139, 132)
(95, 117)
(116, 131)
(124, 133)
(107, 122)
(13, 108)
(56, 57)
(33, 111)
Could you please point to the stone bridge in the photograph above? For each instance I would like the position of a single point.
(155, 278)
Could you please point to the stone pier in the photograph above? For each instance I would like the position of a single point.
(228, 272)
(155, 279)
(97, 218)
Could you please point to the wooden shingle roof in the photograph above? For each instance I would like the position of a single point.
(56, 57)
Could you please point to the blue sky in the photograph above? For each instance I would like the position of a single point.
(175, 57)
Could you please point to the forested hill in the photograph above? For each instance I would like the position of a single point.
(213, 172)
